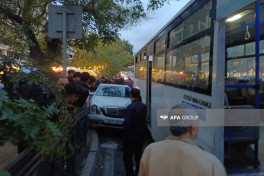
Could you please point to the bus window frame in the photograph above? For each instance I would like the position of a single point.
(209, 31)
(244, 43)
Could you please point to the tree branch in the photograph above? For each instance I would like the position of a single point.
(10, 15)
(87, 8)
(35, 50)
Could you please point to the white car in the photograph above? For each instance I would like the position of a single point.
(108, 105)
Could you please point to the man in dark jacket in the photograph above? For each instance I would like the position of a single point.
(76, 95)
(134, 131)
(83, 80)
(70, 75)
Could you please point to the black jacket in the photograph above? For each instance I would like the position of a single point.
(82, 99)
(85, 93)
(82, 84)
(135, 119)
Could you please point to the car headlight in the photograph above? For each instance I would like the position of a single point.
(93, 109)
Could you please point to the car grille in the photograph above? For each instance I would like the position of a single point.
(115, 112)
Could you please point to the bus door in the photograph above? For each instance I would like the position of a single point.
(242, 79)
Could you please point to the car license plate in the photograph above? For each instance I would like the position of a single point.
(113, 121)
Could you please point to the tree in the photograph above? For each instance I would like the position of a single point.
(24, 27)
(23, 23)
(113, 57)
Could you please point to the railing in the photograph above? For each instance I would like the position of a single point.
(28, 164)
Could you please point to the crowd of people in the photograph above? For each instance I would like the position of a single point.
(178, 154)
(91, 82)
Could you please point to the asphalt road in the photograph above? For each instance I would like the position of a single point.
(110, 158)
(109, 161)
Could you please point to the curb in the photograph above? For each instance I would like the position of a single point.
(92, 155)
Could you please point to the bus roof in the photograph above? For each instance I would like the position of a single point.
(168, 23)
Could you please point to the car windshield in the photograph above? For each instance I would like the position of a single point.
(113, 91)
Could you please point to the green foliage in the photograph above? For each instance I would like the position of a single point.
(156, 4)
(24, 25)
(41, 128)
(113, 57)
(4, 173)
(24, 121)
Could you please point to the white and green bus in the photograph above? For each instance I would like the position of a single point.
(209, 55)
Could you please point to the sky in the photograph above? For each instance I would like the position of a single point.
(139, 35)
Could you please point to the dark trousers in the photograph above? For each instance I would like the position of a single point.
(132, 146)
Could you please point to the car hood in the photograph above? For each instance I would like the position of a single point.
(103, 101)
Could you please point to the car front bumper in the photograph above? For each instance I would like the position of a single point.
(104, 121)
